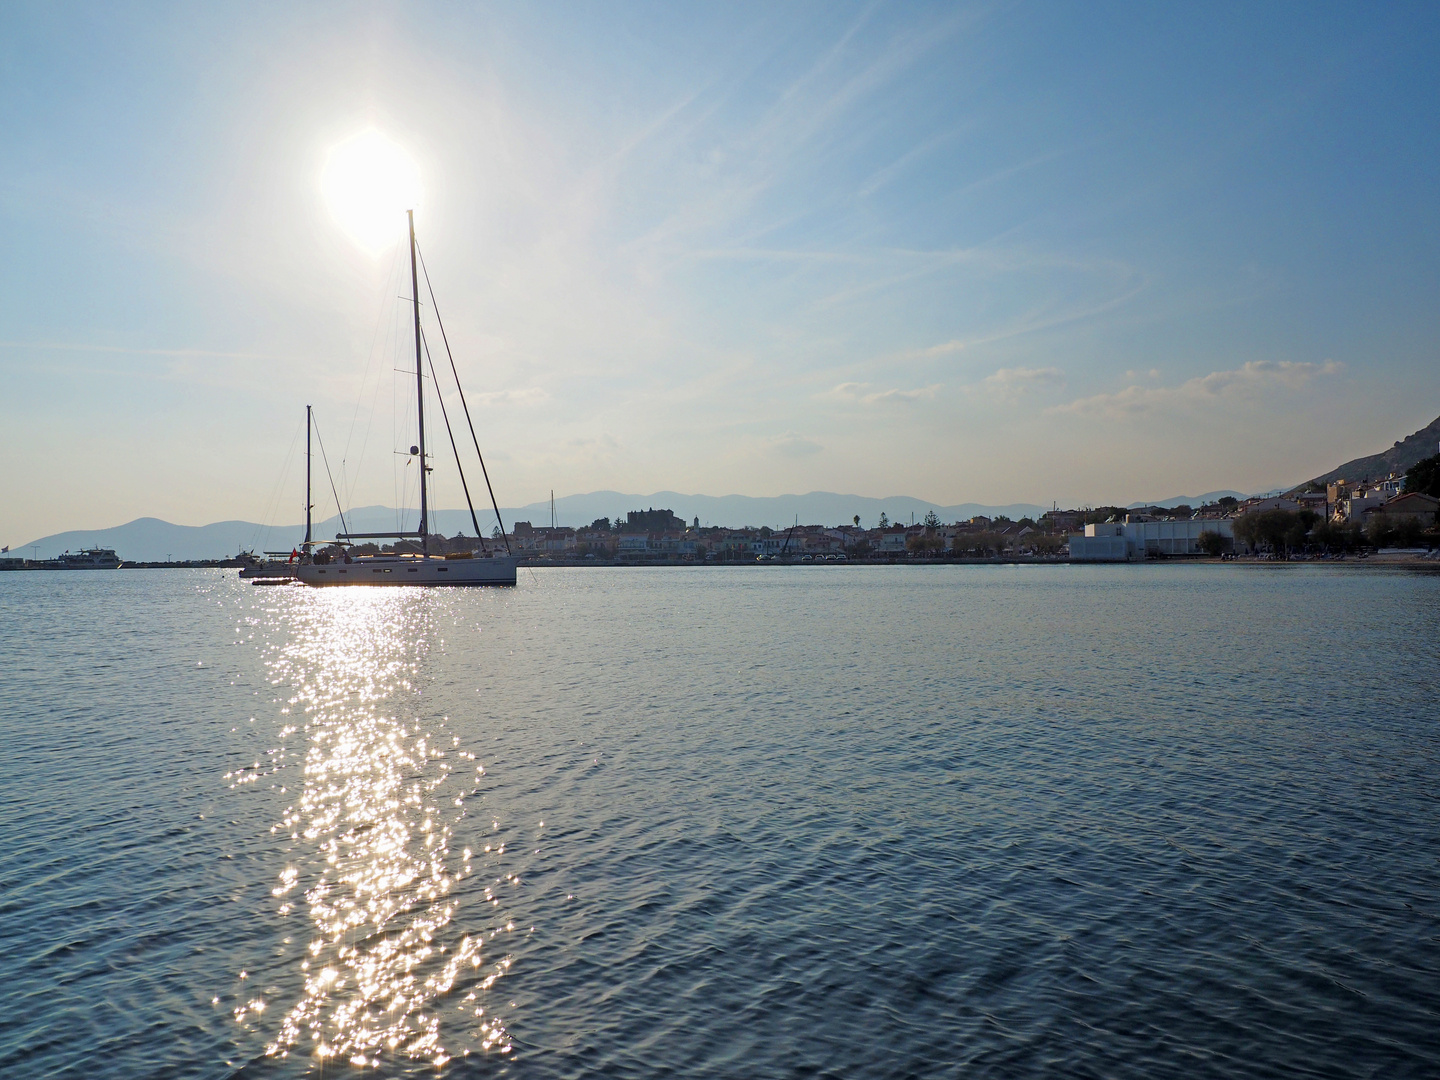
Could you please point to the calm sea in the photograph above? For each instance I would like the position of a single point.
(760, 822)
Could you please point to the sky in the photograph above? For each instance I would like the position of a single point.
(1086, 253)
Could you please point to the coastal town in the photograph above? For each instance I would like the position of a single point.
(1395, 514)
(1337, 520)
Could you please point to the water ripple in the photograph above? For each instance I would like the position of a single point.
(1099, 821)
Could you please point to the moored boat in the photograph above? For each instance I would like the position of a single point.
(482, 566)
(89, 559)
(270, 568)
(410, 570)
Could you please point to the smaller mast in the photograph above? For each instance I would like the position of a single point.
(308, 504)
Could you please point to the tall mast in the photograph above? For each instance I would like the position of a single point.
(306, 544)
(419, 390)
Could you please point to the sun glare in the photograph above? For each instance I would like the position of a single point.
(368, 183)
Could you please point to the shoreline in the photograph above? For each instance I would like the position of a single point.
(1373, 560)
(1395, 558)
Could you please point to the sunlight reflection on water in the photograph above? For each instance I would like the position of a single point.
(372, 829)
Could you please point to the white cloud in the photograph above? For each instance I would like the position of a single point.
(1248, 381)
(525, 395)
(866, 394)
(599, 443)
(945, 348)
(1012, 382)
(792, 445)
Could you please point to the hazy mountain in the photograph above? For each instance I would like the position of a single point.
(146, 539)
(1191, 500)
(1424, 443)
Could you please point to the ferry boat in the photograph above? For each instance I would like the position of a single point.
(477, 567)
(88, 559)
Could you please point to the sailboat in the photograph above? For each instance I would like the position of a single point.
(482, 567)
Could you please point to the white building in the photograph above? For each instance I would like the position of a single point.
(1124, 541)
(892, 541)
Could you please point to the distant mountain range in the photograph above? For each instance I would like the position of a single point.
(146, 539)
(1405, 453)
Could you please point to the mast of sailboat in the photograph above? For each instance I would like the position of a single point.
(790, 532)
(419, 391)
(494, 503)
(308, 503)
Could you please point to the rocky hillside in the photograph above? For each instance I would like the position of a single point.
(1424, 443)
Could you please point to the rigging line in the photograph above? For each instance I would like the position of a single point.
(264, 525)
(349, 483)
(338, 509)
(369, 359)
(453, 448)
(435, 307)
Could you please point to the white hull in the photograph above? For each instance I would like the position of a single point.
(414, 570)
(285, 571)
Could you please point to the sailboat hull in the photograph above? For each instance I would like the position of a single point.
(499, 570)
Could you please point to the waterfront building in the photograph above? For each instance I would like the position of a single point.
(891, 540)
(653, 521)
(633, 544)
(1412, 506)
(1361, 502)
(1115, 541)
(1062, 520)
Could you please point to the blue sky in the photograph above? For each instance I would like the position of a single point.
(997, 253)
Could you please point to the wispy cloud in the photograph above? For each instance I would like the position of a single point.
(884, 176)
(1082, 288)
(775, 255)
(791, 445)
(1249, 380)
(866, 394)
(945, 348)
(526, 395)
(806, 119)
(61, 346)
(1001, 175)
(1013, 382)
(598, 443)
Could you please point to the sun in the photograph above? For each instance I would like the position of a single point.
(369, 182)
